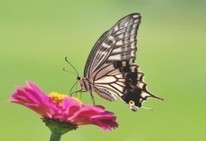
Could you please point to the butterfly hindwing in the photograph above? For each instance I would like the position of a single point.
(135, 91)
(121, 79)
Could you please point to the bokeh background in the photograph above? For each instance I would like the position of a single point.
(36, 35)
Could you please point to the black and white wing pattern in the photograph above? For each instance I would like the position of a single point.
(116, 44)
(110, 70)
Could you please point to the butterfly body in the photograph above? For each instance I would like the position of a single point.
(110, 70)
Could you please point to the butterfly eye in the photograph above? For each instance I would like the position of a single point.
(131, 102)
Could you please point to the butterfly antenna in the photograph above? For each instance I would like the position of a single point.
(71, 66)
(69, 71)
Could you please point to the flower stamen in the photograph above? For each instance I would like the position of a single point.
(57, 98)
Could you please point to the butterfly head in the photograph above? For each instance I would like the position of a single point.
(78, 78)
(81, 81)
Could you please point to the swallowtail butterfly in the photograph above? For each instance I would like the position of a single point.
(110, 70)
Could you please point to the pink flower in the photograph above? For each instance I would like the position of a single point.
(63, 108)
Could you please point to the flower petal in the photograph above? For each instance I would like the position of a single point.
(33, 98)
(68, 108)
(94, 115)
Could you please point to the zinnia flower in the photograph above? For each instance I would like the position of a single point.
(62, 113)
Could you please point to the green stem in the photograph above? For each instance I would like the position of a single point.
(55, 137)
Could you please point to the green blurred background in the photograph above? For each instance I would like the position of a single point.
(36, 35)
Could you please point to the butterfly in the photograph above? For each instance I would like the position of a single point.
(110, 70)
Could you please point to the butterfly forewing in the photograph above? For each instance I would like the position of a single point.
(116, 44)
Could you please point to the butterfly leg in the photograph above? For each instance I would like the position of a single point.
(82, 91)
(77, 91)
(93, 99)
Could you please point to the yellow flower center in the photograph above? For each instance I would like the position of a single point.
(57, 98)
